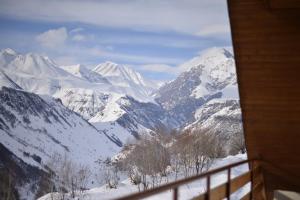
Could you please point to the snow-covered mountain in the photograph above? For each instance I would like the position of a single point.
(82, 72)
(6, 81)
(35, 73)
(124, 76)
(90, 114)
(41, 75)
(43, 126)
(31, 64)
(34, 128)
(205, 96)
(97, 95)
(208, 76)
(108, 94)
(222, 117)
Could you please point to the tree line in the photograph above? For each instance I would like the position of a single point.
(147, 162)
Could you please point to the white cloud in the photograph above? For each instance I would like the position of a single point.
(187, 16)
(160, 68)
(123, 57)
(79, 38)
(65, 60)
(76, 30)
(158, 40)
(74, 54)
(216, 29)
(53, 37)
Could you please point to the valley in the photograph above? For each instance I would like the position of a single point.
(87, 115)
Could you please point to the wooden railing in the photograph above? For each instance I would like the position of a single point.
(220, 192)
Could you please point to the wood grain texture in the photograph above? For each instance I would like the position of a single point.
(239, 182)
(267, 51)
(286, 4)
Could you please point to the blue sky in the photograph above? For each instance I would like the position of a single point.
(143, 34)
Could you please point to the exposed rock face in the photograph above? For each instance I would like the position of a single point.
(149, 115)
(209, 76)
(220, 117)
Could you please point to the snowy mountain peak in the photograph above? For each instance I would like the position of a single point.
(30, 63)
(124, 76)
(76, 70)
(81, 71)
(210, 58)
(9, 51)
(110, 69)
(216, 52)
(208, 76)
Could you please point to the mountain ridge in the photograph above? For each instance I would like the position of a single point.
(93, 112)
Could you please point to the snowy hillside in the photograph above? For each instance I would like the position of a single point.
(7, 82)
(34, 127)
(222, 117)
(185, 192)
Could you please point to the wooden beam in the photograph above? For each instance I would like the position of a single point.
(266, 45)
(239, 182)
(284, 4)
(219, 192)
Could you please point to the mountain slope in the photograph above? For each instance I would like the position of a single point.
(205, 96)
(221, 117)
(208, 76)
(34, 128)
(123, 105)
(84, 91)
(26, 181)
(6, 81)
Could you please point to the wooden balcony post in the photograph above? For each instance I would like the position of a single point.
(175, 193)
(228, 183)
(207, 195)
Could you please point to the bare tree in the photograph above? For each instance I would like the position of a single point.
(7, 185)
(175, 162)
(110, 173)
(238, 144)
(134, 175)
(203, 151)
(69, 176)
(52, 166)
(83, 175)
(183, 152)
(149, 158)
(196, 151)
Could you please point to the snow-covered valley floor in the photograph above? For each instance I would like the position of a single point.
(188, 191)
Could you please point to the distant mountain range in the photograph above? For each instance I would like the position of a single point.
(90, 114)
